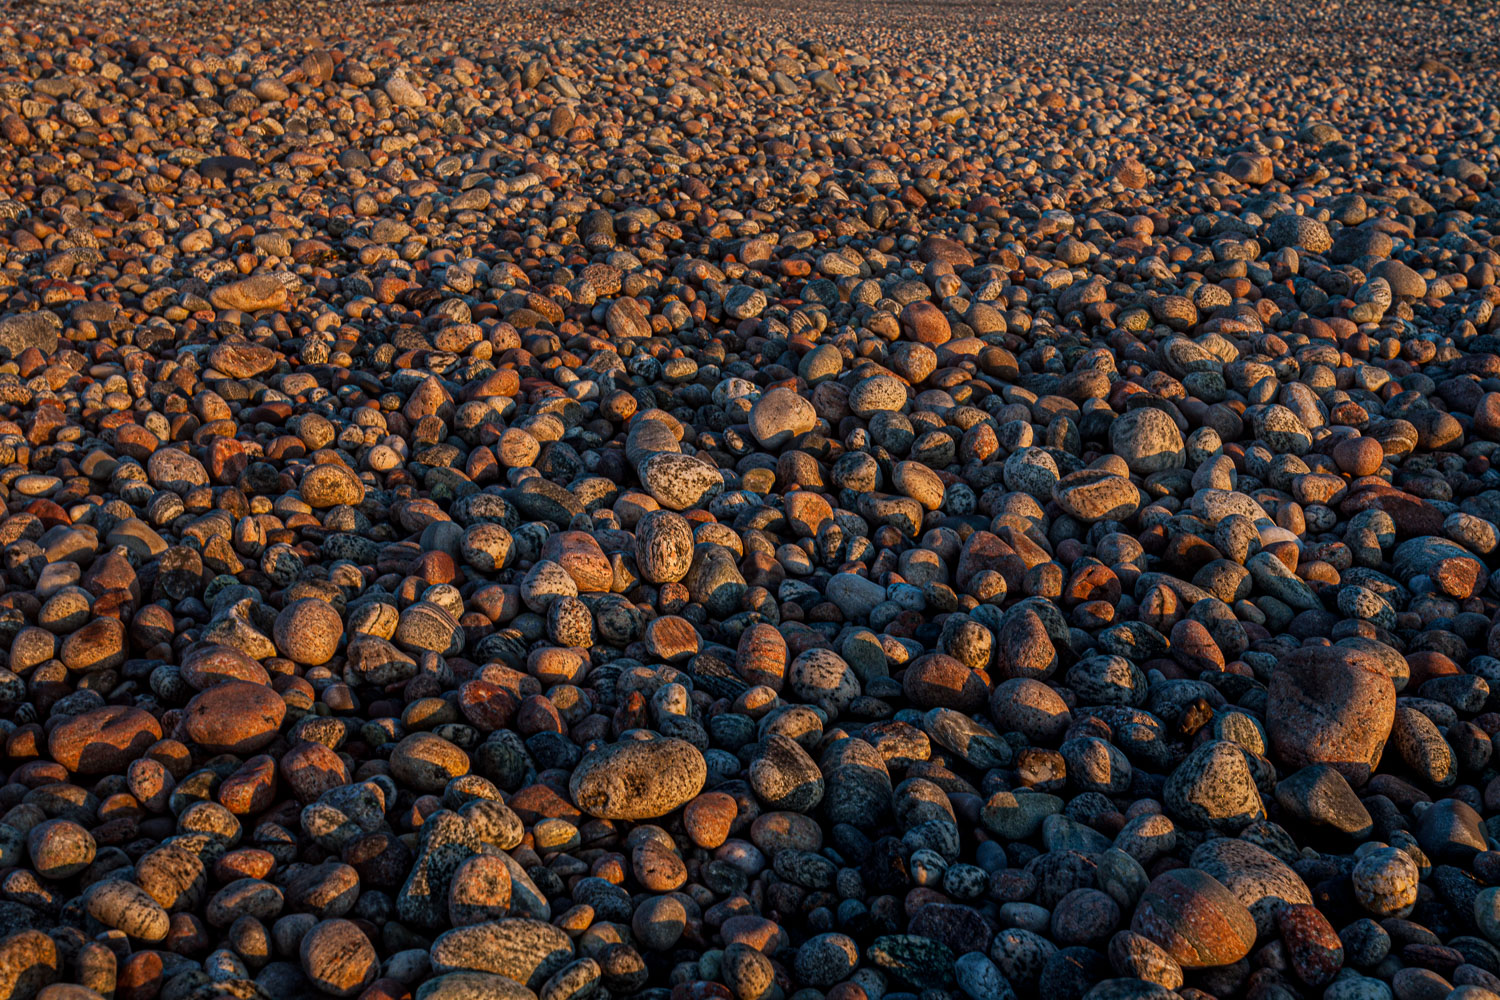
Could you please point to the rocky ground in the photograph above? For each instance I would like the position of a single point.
(749, 501)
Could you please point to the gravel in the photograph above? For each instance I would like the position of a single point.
(550, 501)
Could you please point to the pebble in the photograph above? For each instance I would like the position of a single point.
(103, 740)
(1386, 882)
(427, 762)
(639, 779)
(1264, 883)
(1451, 831)
(29, 961)
(783, 776)
(826, 959)
(1148, 440)
(60, 848)
(1320, 797)
(1330, 705)
(472, 986)
(1314, 948)
(236, 717)
(748, 505)
(1194, 919)
(524, 950)
(127, 908)
(779, 416)
(1214, 789)
(1092, 495)
(338, 958)
(308, 631)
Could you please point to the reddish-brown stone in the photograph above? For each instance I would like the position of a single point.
(1312, 944)
(103, 741)
(940, 681)
(234, 717)
(1331, 705)
(1193, 918)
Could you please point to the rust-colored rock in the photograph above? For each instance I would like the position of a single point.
(103, 741)
(234, 717)
(1197, 921)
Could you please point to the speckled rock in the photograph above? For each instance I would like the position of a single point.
(638, 779)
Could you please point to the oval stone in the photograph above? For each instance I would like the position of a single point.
(1193, 918)
(638, 779)
(235, 717)
(103, 741)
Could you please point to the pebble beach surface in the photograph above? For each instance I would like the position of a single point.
(749, 501)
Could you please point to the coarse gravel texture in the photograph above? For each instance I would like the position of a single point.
(749, 501)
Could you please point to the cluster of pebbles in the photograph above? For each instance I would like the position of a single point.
(739, 501)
